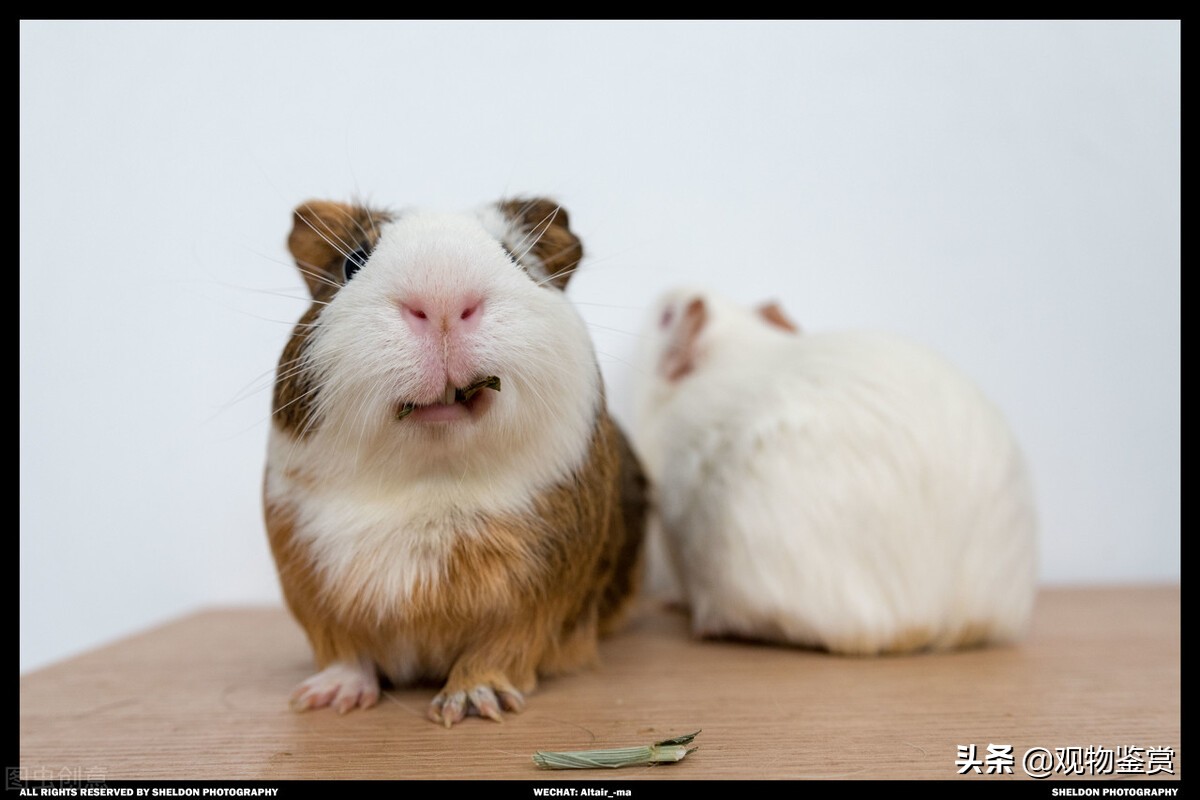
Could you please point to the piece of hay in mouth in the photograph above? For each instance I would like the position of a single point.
(460, 395)
(667, 751)
(490, 382)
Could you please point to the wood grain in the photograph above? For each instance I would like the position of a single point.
(205, 698)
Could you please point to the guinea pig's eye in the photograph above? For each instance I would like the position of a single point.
(355, 261)
(666, 318)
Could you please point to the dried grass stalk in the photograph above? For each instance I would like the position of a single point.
(667, 751)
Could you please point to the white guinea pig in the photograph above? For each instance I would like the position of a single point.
(847, 491)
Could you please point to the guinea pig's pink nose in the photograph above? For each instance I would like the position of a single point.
(429, 315)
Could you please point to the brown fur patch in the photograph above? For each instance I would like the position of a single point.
(635, 509)
(323, 232)
(294, 395)
(683, 348)
(547, 225)
(774, 315)
(520, 597)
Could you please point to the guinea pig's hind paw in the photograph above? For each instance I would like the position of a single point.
(484, 701)
(342, 687)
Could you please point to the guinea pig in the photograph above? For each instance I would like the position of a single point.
(846, 491)
(446, 496)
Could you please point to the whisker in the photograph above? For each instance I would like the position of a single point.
(620, 360)
(603, 305)
(525, 234)
(364, 408)
(560, 274)
(641, 336)
(317, 276)
(274, 293)
(355, 222)
(544, 225)
(339, 245)
(296, 399)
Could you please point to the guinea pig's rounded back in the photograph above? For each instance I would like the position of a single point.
(846, 491)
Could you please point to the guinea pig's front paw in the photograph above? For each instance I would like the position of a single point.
(484, 699)
(343, 686)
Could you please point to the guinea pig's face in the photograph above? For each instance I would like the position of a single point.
(685, 321)
(427, 324)
(677, 324)
(690, 333)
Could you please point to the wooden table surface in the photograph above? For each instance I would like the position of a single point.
(205, 698)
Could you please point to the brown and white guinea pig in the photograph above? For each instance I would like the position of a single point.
(847, 491)
(428, 522)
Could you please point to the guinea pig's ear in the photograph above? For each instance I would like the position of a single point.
(544, 234)
(773, 313)
(684, 326)
(324, 234)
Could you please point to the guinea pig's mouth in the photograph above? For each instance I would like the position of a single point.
(457, 403)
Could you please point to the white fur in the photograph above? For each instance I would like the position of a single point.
(518, 242)
(342, 685)
(363, 484)
(838, 489)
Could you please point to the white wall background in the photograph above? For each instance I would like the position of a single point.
(1006, 192)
